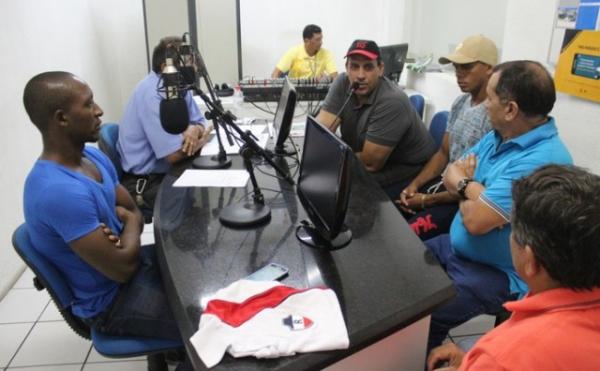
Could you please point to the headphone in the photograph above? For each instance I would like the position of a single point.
(224, 90)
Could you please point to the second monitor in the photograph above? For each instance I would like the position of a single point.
(393, 57)
(282, 122)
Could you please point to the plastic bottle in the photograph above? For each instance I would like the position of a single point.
(238, 100)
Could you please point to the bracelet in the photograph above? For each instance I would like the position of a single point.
(423, 196)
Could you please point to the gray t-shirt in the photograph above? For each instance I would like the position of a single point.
(387, 119)
(467, 124)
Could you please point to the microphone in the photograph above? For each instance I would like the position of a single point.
(351, 91)
(189, 67)
(174, 115)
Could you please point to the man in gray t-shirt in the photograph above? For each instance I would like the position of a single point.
(377, 120)
(427, 206)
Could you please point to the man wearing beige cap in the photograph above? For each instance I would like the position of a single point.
(430, 209)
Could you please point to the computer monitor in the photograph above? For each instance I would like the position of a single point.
(393, 57)
(282, 122)
(324, 187)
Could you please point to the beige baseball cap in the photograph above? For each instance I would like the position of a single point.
(477, 48)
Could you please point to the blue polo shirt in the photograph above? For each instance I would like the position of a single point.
(143, 143)
(498, 165)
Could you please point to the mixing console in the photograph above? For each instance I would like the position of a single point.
(269, 90)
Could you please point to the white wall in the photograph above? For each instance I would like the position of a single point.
(165, 18)
(439, 25)
(100, 41)
(217, 39)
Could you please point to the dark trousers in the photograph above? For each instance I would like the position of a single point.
(432, 221)
(481, 289)
(141, 308)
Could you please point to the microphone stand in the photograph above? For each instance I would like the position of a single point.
(246, 214)
(220, 160)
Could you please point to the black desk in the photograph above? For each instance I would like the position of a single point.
(382, 279)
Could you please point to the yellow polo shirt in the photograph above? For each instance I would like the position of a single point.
(301, 66)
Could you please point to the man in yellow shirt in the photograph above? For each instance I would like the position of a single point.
(307, 60)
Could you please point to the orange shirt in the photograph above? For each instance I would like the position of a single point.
(554, 330)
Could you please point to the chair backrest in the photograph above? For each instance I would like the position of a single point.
(56, 285)
(418, 103)
(51, 279)
(109, 134)
(437, 127)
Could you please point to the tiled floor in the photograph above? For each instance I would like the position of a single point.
(33, 335)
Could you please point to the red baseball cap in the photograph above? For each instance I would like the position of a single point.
(365, 48)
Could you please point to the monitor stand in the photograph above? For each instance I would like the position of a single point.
(308, 235)
(245, 215)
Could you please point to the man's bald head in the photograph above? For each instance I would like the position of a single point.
(46, 93)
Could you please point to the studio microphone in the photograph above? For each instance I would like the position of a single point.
(351, 91)
(174, 115)
(189, 67)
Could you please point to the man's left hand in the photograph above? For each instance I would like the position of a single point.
(459, 169)
(449, 353)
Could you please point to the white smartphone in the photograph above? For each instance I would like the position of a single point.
(271, 272)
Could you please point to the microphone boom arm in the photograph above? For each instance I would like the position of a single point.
(228, 118)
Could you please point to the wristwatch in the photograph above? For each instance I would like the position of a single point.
(461, 187)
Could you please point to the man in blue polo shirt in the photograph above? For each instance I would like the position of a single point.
(476, 253)
(147, 151)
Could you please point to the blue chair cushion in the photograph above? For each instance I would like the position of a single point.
(131, 346)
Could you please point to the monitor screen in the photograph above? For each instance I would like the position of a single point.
(282, 122)
(393, 57)
(324, 180)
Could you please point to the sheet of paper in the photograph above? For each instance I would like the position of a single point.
(212, 147)
(212, 178)
(297, 130)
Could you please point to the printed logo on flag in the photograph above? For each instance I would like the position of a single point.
(297, 323)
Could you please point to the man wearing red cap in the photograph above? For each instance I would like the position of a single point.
(377, 120)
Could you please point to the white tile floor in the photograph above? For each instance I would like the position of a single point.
(33, 335)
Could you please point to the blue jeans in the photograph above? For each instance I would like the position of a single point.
(480, 289)
(141, 307)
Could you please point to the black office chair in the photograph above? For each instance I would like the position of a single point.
(50, 278)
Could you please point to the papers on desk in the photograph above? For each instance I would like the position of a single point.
(212, 147)
(297, 130)
(212, 178)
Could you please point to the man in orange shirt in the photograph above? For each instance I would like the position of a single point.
(554, 247)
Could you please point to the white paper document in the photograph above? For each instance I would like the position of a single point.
(297, 130)
(212, 147)
(212, 178)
